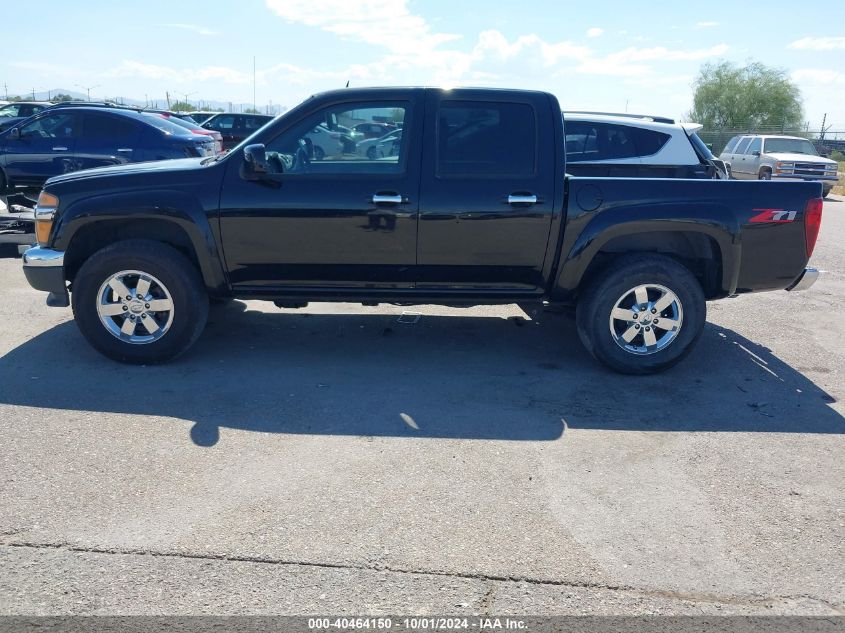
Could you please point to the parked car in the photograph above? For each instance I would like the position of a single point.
(236, 127)
(68, 139)
(768, 157)
(374, 148)
(20, 110)
(604, 144)
(372, 129)
(196, 129)
(325, 142)
(476, 208)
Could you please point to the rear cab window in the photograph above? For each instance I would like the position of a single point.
(486, 139)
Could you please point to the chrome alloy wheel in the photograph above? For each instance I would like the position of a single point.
(135, 307)
(646, 319)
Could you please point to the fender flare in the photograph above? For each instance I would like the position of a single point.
(713, 221)
(170, 205)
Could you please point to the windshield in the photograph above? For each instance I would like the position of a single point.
(789, 146)
(9, 110)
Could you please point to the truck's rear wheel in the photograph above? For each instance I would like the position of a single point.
(139, 301)
(642, 315)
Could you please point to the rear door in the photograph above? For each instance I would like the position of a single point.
(106, 139)
(739, 169)
(487, 191)
(44, 149)
(751, 164)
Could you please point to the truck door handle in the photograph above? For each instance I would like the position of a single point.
(124, 149)
(60, 149)
(388, 198)
(522, 199)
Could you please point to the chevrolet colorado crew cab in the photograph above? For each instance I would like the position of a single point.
(473, 207)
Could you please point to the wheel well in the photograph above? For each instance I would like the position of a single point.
(767, 168)
(88, 240)
(697, 252)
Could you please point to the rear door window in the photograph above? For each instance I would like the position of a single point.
(743, 144)
(115, 130)
(486, 139)
(755, 146)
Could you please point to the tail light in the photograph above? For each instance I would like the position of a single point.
(812, 223)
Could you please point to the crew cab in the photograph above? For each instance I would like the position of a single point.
(475, 208)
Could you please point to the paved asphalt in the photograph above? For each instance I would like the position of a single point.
(352, 460)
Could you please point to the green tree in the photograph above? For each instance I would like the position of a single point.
(182, 106)
(59, 97)
(251, 111)
(751, 96)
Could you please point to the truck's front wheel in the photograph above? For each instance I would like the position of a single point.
(139, 301)
(641, 315)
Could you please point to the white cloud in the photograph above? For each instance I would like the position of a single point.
(818, 43)
(706, 25)
(196, 28)
(594, 31)
(384, 23)
(818, 77)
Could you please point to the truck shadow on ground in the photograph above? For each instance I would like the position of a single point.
(458, 377)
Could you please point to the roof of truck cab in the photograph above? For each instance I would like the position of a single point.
(387, 89)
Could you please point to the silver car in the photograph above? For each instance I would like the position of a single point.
(765, 157)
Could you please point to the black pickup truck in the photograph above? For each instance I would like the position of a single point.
(470, 206)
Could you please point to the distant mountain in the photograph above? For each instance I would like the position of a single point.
(160, 102)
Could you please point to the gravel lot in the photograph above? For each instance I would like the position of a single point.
(353, 460)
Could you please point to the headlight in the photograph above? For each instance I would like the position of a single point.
(45, 211)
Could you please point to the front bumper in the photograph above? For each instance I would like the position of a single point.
(44, 270)
(805, 280)
(828, 182)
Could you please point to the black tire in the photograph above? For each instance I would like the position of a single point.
(371, 152)
(621, 276)
(174, 270)
(319, 154)
(765, 174)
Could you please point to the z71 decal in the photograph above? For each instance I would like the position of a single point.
(773, 215)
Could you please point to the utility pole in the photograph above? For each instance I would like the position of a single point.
(87, 89)
(167, 94)
(254, 106)
(33, 94)
(6, 90)
(824, 120)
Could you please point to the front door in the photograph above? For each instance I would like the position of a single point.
(45, 148)
(337, 219)
(487, 193)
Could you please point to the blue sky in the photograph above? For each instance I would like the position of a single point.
(602, 55)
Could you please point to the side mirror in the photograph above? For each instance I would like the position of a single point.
(756, 152)
(14, 134)
(255, 162)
